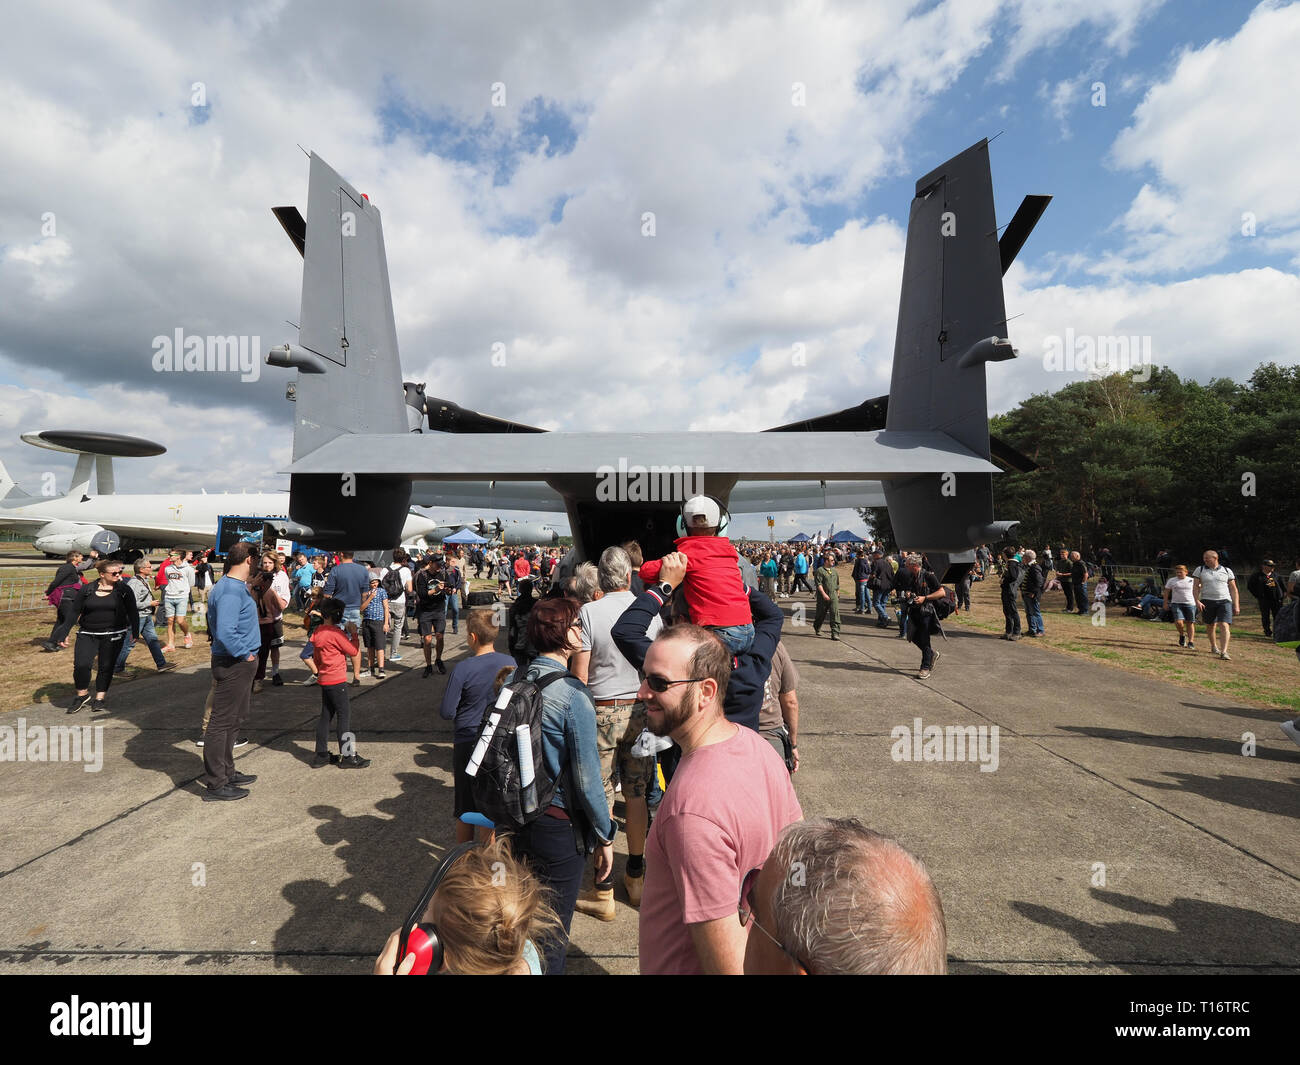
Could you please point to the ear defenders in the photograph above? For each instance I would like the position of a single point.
(724, 518)
(420, 937)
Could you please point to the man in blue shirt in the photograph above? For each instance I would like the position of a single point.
(800, 573)
(236, 638)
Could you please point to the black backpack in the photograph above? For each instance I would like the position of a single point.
(945, 606)
(393, 586)
(494, 768)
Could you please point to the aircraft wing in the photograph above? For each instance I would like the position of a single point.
(487, 495)
(762, 497)
(746, 456)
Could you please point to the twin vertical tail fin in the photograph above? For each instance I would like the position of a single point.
(951, 321)
(349, 372)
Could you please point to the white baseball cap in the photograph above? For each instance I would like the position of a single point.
(701, 512)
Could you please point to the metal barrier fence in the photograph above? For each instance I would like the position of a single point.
(19, 594)
(23, 593)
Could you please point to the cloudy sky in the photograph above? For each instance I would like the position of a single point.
(514, 154)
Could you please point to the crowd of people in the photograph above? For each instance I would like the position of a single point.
(663, 682)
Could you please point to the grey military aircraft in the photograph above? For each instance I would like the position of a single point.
(362, 436)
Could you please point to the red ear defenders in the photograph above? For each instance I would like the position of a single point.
(420, 937)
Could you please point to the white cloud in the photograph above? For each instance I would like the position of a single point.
(685, 110)
(1214, 134)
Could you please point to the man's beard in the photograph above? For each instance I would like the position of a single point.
(674, 719)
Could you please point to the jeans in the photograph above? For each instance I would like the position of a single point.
(863, 604)
(1033, 614)
(549, 847)
(880, 600)
(1080, 597)
(453, 609)
(738, 638)
(149, 637)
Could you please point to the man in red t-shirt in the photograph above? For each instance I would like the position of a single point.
(730, 798)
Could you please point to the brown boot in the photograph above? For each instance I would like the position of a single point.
(596, 903)
(635, 885)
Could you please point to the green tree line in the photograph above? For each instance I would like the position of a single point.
(1138, 466)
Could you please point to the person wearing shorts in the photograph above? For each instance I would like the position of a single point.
(1182, 603)
(431, 612)
(375, 620)
(1215, 592)
(179, 582)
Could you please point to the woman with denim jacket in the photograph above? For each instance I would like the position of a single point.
(577, 822)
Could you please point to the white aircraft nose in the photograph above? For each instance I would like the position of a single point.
(418, 526)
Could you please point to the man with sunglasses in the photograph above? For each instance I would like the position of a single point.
(730, 797)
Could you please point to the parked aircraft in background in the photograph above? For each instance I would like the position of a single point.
(82, 519)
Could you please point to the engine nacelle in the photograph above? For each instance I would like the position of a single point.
(60, 537)
(528, 535)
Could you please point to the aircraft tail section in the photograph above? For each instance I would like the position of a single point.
(349, 372)
(9, 489)
(951, 321)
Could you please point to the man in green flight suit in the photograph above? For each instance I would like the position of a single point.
(827, 583)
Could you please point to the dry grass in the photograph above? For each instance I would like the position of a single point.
(1260, 673)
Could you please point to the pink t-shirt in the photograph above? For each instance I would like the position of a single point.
(719, 818)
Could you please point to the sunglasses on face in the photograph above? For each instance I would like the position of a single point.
(113, 573)
(657, 683)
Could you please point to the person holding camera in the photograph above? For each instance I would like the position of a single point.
(431, 611)
(917, 588)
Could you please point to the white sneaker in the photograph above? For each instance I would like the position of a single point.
(1292, 730)
(313, 679)
(364, 673)
(1225, 656)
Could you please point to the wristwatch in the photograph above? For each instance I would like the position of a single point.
(664, 589)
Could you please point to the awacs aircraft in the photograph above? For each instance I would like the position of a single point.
(108, 522)
(359, 432)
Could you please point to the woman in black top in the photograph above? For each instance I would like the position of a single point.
(105, 611)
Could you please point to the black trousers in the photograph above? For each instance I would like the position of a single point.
(918, 632)
(1268, 611)
(63, 619)
(230, 707)
(1011, 613)
(101, 649)
(800, 578)
(334, 705)
(1068, 588)
(550, 848)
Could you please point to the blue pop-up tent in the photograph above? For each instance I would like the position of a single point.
(465, 536)
(799, 538)
(846, 537)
